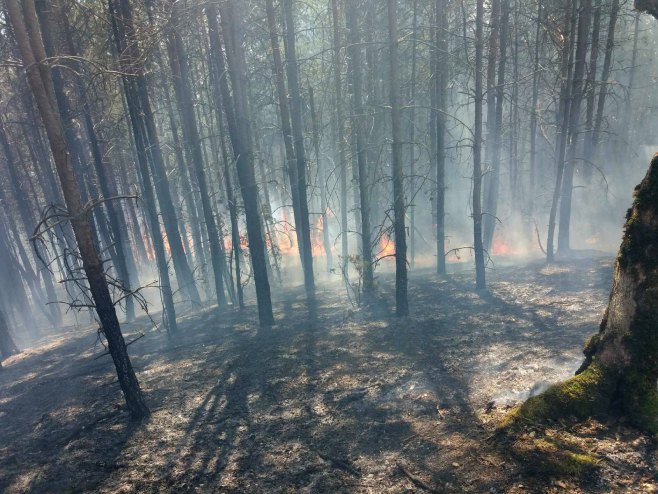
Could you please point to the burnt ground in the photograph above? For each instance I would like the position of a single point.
(342, 400)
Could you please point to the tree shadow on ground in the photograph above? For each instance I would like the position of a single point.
(331, 399)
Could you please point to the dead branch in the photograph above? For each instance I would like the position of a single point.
(127, 344)
(341, 464)
(539, 238)
(80, 429)
(415, 480)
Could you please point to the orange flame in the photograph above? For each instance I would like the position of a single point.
(386, 246)
(500, 248)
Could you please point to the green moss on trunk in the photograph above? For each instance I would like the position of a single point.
(587, 394)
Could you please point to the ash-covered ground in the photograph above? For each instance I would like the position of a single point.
(340, 399)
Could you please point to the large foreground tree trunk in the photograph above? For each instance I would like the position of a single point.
(620, 369)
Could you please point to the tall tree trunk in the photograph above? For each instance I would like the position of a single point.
(488, 219)
(220, 90)
(140, 139)
(122, 251)
(180, 71)
(130, 60)
(401, 301)
(240, 132)
(358, 128)
(566, 72)
(340, 126)
(492, 190)
(584, 19)
(440, 79)
(218, 78)
(26, 30)
(322, 178)
(591, 87)
(286, 129)
(480, 277)
(300, 152)
(605, 73)
(534, 112)
(412, 136)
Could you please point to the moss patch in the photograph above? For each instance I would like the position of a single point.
(581, 396)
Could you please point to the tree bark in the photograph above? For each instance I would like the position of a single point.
(621, 365)
(26, 30)
(480, 276)
(322, 177)
(220, 91)
(584, 18)
(130, 61)
(440, 80)
(358, 128)
(180, 71)
(300, 151)
(240, 133)
(7, 345)
(340, 126)
(401, 301)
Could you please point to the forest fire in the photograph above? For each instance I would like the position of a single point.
(317, 246)
(330, 246)
(503, 247)
(500, 248)
(386, 246)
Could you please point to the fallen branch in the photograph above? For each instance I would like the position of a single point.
(79, 430)
(539, 238)
(415, 480)
(341, 464)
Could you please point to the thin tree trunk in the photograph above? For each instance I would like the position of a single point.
(480, 279)
(440, 80)
(358, 128)
(591, 87)
(180, 71)
(584, 18)
(534, 112)
(300, 152)
(489, 219)
(340, 126)
(605, 74)
(412, 137)
(286, 129)
(139, 133)
(563, 121)
(220, 91)
(130, 60)
(40, 82)
(242, 146)
(401, 301)
(322, 178)
(495, 133)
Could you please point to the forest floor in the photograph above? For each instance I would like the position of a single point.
(343, 400)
